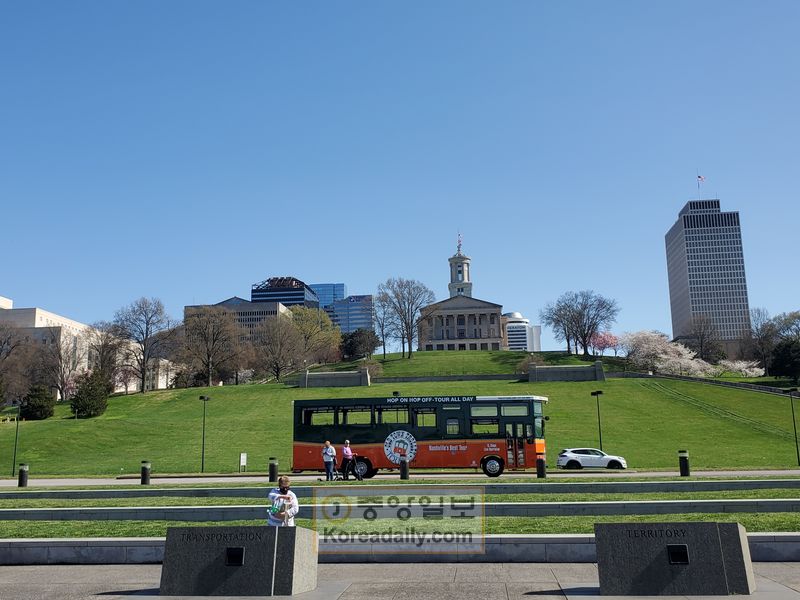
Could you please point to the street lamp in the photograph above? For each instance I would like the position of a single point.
(205, 400)
(16, 439)
(597, 395)
(792, 392)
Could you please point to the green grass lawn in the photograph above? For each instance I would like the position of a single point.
(646, 423)
(468, 363)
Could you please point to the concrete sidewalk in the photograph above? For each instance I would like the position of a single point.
(565, 581)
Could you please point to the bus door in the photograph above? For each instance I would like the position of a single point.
(517, 433)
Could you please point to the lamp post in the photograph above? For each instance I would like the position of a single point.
(205, 400)
(16, 439)
(792, 392)
(597, 395)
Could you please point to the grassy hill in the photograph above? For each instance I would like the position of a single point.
(645, 420)
(468, 363)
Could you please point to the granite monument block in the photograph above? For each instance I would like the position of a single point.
(239, 561)
(673, 559)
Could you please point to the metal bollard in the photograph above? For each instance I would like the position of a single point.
(541, 468)
(683, 462)
(145, 472)
(273, 469)
(404, 467)
(23, 475)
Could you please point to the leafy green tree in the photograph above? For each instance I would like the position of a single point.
(91, 397)
(786, 359)
(319, 336)
(359, 343)
(38, 404)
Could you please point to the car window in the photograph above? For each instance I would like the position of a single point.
(598, 453)
(579, 451)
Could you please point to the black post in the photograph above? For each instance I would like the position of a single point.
(273, 469)
(794, 423)
(23, 475)
(541, 468)
(205, 399)
(683, 462)
(404, 467)
(145, 472)
(597, 395)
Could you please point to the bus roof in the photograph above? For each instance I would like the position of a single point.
(392, 400)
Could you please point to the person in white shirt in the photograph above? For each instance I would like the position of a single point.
(284, 505)
(329, 460)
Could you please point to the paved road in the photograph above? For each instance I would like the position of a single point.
(298, 479)
(774, 581)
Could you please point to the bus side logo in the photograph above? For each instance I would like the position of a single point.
(398, 444)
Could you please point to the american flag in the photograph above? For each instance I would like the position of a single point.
(700, 179)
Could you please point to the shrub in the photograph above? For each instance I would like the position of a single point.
(38, 404)
(91, 398)
(525, 364)
(374, 368)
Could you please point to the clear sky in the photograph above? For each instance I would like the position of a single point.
(187, 149)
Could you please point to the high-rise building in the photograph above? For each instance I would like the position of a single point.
(521, 334)
(248, 315)
(354, 312)
(705, 265)
(289, 291)
(328, 293)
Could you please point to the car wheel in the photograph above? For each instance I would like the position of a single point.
(492, 467)
(574, 464)
(614, 464)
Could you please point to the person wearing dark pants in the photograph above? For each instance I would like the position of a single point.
(347, 460)
(329, 460)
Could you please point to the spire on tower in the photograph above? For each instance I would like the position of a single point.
(459, 243)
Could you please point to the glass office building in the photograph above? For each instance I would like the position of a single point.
(354, 312)
(328, 293)
(705, 265)
(289, 291)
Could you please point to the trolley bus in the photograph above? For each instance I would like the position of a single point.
(493, 433)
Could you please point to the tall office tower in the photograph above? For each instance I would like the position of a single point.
(286, 290)
(705, 266)
(328, 293)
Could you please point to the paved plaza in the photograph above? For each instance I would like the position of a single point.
(775, 581)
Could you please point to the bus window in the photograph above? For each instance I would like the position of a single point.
(453, 427)
(539, 422)
(537, 409)
(355, 415)
(391, 415)
(514, 410)
(483, 411)
(485, 426)
(425, 417)
(318, 416)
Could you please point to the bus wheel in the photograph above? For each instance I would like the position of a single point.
(364, 468)
(492, 466)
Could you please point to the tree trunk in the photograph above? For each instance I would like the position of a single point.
(209, 372)
(409, 346)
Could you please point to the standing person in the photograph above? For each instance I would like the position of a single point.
(329, 460)
(284, 505)
(347, 459)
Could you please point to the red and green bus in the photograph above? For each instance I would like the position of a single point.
(493, 433)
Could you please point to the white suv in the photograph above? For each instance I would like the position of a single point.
(578, 458)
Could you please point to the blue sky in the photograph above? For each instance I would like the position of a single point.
(188, 149)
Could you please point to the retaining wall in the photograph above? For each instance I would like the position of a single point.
(764, 547)
(334, 379)
(567, 373)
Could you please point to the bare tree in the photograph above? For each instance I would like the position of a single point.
(212, 338)
(558, 317)
(17, 372)
(383, 318)
(407, 297)
(763, 337)
(788, 325)
(704, 338)
(590, 314)
(62, 359)
(278, 346)
(105, 346)
(149, 331)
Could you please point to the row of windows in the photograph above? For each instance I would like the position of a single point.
(712, 220)
(419, 416)
(483, 346)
